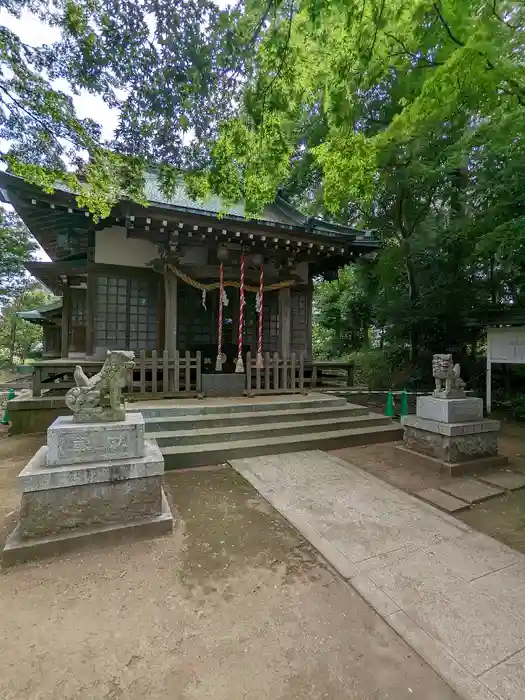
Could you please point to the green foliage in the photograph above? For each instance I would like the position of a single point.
(16, 247)
(18, 337)
(408, 118)
(171, 71)
(372, 369)
(342, 313)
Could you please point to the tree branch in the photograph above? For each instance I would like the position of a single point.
(412, 55)
(34, 117)
(446, 25)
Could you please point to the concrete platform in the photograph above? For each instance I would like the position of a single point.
(443, 501)
(193, 433)
(472, 491)
(454, 594)
(510, 481)
(18, 550)
(473, 466)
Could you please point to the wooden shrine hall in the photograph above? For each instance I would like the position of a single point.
(206, 298)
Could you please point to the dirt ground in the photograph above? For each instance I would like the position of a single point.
(235, 604)
(502, 517)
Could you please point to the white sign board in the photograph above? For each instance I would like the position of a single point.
(504, 345)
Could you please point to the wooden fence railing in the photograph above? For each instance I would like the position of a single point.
(276, 376)
(162, 374)
(158, 374)
(295, 374)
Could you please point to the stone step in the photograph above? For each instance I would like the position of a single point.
(252, 432)
(189, 407)
(183, 456)
(228, 420)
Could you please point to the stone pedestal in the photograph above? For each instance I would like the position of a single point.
(91, 482)
(223, 384)
(453, 435)
(69, 442)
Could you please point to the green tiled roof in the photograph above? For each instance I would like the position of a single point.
(280, 212)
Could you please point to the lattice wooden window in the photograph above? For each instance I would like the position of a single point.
(196, 326)
(78, 307)
(142, 328)
(299, 322)
(271, 322)
(125, 313)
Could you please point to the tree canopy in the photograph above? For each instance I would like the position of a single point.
(17, 246)
(170, 70)
(18, 338)
(406, 117)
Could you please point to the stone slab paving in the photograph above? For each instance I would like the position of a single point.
(442, 500)
(472, 491)
(511, 481)
(455, 595)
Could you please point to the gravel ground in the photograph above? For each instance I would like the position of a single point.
(235, 604)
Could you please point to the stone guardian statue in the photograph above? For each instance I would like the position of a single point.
(99, 398)
(449, 384)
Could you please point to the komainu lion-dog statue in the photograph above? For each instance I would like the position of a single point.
(99, 398)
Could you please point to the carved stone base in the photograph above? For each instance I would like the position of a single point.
(467, 443)
(449, 410)
(451, 448)
(70, 442)
(18, 550)
(112, 482)
(59, 498)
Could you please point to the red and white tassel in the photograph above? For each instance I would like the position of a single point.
(239, 366)
(259, 360)
(218, 361)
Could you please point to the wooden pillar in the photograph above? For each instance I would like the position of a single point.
(66, 319)
(309, 320)
(90, 313)
(285, 322)
(170, 307)
(488, 394)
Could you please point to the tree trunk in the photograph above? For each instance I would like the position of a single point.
(12, 340)
(413, 296)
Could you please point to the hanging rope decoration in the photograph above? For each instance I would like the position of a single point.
(259, 360)
(215, 285)
(239, 367)
(218, 362)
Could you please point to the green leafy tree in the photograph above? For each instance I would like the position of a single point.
(406, 117)
(342, 313)
(17, 336)
(17, 246)
(171, 71)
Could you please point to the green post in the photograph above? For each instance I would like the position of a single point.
(390, 411)
(404, 403)
(5, 419)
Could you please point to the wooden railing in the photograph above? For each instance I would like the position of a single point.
(295, 374)
(157, 373)
(162, 374)
(277, 375)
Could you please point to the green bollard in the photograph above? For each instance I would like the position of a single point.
(404, 403)
(390, 411)
(5, 419)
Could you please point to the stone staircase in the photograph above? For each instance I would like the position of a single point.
(197, 433)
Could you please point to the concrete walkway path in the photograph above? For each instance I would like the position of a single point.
(455, 595)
